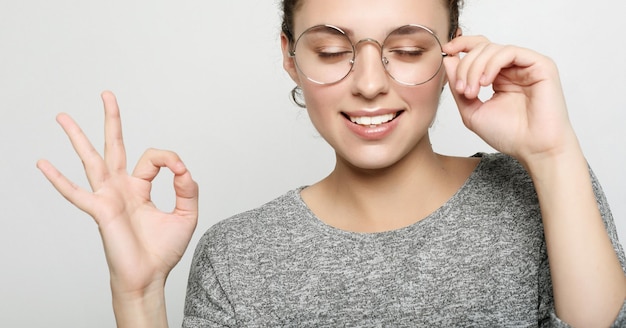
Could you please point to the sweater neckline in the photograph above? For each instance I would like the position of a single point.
(431, 219)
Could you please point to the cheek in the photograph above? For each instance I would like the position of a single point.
(319, 105)
(321, 100)
(424, 97)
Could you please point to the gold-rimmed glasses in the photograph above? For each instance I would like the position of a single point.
(411, 54)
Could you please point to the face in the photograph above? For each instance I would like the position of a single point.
(370, 120)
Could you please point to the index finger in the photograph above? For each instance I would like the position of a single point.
(114, 152)
(463, 44)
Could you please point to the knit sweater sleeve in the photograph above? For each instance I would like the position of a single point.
(207, 303)
(545, 284)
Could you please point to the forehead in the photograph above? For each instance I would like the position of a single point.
(372, 18)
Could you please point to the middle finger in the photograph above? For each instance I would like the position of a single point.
(114, 151)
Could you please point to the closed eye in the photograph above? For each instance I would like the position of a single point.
(407, 52)
(324, 54)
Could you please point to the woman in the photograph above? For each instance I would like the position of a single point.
(396, 234)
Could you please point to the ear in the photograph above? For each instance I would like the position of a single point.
(289, 63)
(458, 33)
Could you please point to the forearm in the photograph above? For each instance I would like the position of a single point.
(136, 310)
(588, 282)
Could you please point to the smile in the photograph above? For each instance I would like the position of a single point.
(373, 120)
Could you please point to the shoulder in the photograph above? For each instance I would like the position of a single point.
(276, 219)
(501, 168)
(503, 177)
(264, 217)
(500, 165)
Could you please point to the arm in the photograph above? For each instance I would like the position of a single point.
(587, 278)
(142, 244)
(527, 118)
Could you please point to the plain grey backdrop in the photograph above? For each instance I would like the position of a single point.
(204, 78)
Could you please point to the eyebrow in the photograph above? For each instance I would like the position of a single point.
(345, 30)
(350, 33)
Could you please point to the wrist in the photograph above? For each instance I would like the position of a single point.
(140, 308)
(555, 162)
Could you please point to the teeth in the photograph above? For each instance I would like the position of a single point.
(372, 120)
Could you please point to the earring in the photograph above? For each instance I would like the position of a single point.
(297, 97)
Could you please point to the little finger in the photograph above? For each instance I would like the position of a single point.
(74, 194)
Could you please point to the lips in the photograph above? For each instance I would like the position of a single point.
(372, 126)
(372, 120)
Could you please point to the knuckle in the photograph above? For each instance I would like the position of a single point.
(548, 64)
(509, 47)
(149, 151)
(482, 39)
(159, 152)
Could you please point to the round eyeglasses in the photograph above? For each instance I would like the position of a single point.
(411, 54)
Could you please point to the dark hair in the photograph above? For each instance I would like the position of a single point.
(289, 7)
(454, 8)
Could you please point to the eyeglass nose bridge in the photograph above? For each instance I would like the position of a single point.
(384, 59)
(368, 40)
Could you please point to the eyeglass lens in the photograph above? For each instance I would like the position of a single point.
(411, 54)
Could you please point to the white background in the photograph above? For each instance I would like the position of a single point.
(204, 78)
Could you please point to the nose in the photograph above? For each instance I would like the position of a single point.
(369, 77)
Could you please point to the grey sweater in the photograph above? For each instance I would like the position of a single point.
(478, 261)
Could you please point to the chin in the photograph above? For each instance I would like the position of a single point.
(370, 163)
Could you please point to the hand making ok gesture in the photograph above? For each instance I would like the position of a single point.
(142, 243)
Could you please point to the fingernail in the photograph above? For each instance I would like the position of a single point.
(460, 86)
(181, 166)
(483, 79)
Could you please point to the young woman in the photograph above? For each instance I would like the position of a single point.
(396, 234)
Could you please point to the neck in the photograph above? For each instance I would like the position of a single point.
(385, 199)
(411, 176)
